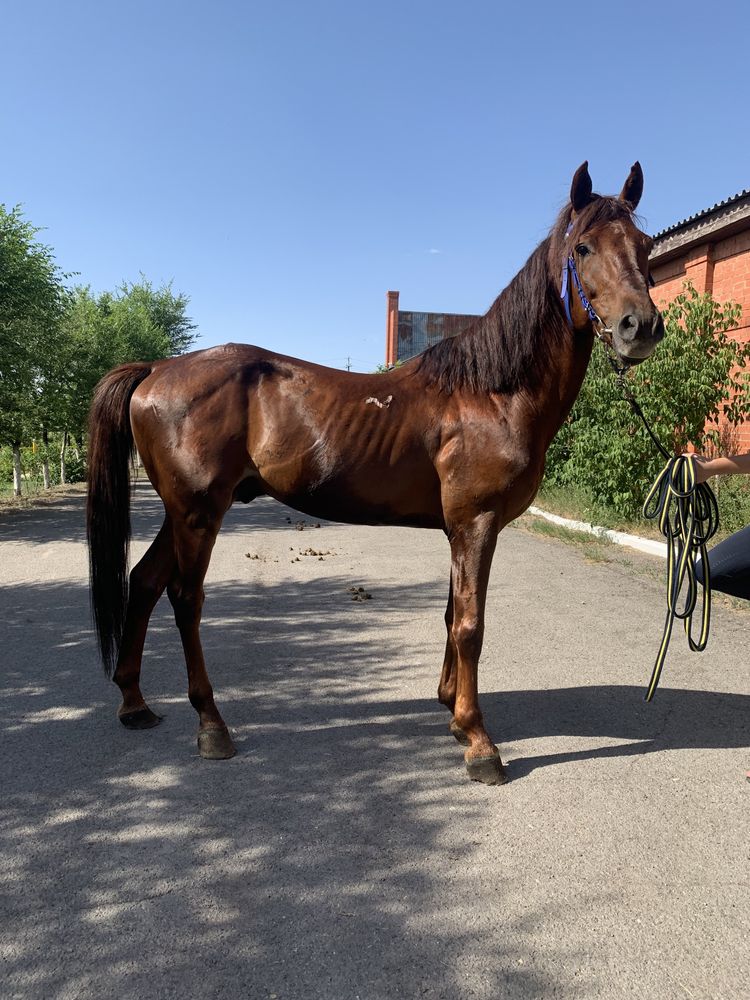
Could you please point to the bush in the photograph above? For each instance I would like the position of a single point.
(733, 495)
(6, 466)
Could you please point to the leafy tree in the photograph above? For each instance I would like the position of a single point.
(55, 343)
(98, 332)
(165, 311)
(693, 383)
(135, 323)
(31, 302)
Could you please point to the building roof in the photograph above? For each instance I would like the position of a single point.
(719, 221)
(706, 211)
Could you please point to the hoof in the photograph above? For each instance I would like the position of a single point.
(215, 744)
(458, 732)
(141, 718)
(488, 770)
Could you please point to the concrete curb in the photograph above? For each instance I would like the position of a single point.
(648, 545)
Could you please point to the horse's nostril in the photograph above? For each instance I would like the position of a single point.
(628, 326)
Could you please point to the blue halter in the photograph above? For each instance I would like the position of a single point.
(569, 269)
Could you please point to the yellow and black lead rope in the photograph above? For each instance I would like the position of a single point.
(688, 517)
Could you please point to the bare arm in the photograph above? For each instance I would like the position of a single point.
(726, 465)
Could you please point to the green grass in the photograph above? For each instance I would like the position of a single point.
(732, 492)
(579, 505)
(593, 548)
(29, 489)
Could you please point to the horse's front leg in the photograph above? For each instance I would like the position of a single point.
(472, 548)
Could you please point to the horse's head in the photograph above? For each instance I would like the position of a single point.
(605, 274)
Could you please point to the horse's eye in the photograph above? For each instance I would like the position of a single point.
(582, 250)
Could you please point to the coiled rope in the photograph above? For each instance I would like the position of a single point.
(688, 517)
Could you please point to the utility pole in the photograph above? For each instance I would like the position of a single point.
(348, 364)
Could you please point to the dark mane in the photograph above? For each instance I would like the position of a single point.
(506, 350)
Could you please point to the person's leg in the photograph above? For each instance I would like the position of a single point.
(729, 565)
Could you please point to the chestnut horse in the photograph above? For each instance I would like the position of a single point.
(454, 439)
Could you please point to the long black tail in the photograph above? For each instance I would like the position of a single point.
(108, 509)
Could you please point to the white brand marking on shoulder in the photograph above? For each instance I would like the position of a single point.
(386, 401)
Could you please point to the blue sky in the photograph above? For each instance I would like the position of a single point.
(286, 163)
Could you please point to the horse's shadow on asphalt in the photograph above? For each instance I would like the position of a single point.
(677, 719)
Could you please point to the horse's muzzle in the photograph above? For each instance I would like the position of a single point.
(635, 337)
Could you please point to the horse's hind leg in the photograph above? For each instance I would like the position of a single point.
(448, 675)
(148, 579)
(193, 546)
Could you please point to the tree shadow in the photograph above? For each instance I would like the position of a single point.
(294, 868)
(311, 864)
(59, 518)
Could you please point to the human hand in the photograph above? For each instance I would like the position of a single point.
(703, 468)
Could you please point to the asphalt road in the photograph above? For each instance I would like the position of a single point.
(343, 853)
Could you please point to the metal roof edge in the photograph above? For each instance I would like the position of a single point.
(692, 219)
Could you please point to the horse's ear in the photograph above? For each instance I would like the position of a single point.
(633, 187)
(580, 189)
